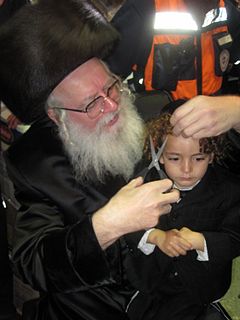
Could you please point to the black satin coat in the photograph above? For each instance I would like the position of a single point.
(56, 250)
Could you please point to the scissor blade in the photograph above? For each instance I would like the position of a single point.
(161, 149)
(153, 152)
(154, 162)
(161, 173)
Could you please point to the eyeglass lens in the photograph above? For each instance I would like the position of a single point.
(95, 107)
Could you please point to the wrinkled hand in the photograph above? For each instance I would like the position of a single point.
(205, 116)
(136, 206)
(170, 242)
(195, 238)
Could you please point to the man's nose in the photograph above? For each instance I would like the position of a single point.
(109, 105)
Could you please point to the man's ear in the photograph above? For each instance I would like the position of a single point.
(53, 116)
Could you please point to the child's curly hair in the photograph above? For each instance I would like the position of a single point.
(158, 128)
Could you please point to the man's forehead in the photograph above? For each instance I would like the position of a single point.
(80, 73)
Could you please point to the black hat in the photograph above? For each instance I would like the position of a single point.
(42, 44)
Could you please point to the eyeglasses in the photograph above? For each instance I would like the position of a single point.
(96, 106)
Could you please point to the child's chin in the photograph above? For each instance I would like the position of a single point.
(185, 183)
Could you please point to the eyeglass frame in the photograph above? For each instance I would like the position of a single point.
(85, 109)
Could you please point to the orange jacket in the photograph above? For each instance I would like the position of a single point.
(183, 61)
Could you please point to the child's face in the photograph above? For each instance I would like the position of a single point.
(183, 162)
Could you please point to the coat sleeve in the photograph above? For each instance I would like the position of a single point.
(52, 254)
(224, 243)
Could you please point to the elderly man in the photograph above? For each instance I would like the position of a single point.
(71, 169)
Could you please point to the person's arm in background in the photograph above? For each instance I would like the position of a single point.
(134, 21)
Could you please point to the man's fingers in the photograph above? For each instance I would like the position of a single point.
(135, 182)
(164, 209)
(170, 197)
(161, 185)
(180, 113)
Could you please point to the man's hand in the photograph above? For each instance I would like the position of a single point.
(205, 116)
(195, 238)
(136, 206)
(170, 242)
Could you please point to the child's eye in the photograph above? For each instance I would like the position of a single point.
(173, 158)
(200, 158)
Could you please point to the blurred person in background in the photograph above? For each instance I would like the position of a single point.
(7, 310)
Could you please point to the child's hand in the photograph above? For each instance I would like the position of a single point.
(170, 242)
(196, 238)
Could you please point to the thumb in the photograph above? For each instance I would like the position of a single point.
(136, 182)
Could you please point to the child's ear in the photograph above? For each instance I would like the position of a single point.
(161, 160)
(211, 157)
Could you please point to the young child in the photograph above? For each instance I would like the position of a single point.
(184, 264)
(185, 162)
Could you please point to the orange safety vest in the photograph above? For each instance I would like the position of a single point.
(188, 62)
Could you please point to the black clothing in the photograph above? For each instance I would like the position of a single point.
(134, 21)
(7, 310)
(56, 250)
(9, 7)
(181, 287)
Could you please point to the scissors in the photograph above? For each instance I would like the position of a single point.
(154, 162)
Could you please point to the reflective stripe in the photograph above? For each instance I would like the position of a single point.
(174, 20)
(209, 18)
(184, 21)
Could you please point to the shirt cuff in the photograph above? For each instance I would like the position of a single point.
(203, 255)
(146, 248)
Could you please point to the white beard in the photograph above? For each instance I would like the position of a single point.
(97, 153)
